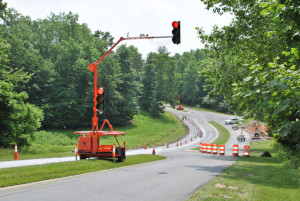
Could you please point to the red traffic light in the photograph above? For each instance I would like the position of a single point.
(175, 24)
(100, 91)
(176, 32)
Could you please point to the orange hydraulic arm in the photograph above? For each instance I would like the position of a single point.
(93, 68)
(178, 97)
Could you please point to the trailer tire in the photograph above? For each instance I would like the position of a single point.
(82, 157)
(122, 157)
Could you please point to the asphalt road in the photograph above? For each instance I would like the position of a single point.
(175, 178)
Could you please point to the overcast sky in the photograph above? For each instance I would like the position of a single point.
(153, 17)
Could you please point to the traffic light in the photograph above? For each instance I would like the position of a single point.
(176, 32)
(100, 100)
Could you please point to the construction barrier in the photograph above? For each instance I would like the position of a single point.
(16, 157)
(235, 150)
(208, 148)
(204, 147)
(222, 149)
(246, 151)
(215, 149)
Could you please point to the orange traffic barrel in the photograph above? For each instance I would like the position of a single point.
(204, 147)
(235, 150)
(215, 149)
(200, 147)
(222, 149)
(246, 151)
(208, 148)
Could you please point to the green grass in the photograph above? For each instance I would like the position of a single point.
(151, 131)
(255, 178)
(206, 110)
(28, 174)
(145, 129)
(224, 134)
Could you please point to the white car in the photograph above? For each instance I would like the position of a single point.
(232, 121)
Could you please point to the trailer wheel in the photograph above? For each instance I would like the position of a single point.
(82, 157)
(122, 157)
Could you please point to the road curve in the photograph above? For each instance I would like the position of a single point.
(175, 178)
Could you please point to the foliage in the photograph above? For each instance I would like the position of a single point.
(19, 119)
(56, 52)
(256, 65)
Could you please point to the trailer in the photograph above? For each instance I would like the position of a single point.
(89, 144)
(180, 107)
(89, 141)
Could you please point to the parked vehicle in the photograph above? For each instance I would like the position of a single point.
(232, 121)
(235, 127)
(241, 138)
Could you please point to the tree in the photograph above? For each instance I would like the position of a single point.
(18, 119)
(257, 63)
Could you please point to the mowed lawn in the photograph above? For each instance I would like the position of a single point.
(256, 178)
(144, 129)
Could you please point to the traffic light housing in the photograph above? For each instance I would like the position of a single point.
(176, 32)
(100, 99)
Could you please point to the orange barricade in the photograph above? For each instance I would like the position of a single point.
(235, 150)
(215, 149)
(204, 148)
(200, 147)
(222, 149)
(246, 151)
(208, 148)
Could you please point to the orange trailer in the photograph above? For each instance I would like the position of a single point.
(89, 144)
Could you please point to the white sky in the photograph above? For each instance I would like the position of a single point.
(153, 17)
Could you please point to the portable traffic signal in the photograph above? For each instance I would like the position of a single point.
(176, 32)
(100, 99)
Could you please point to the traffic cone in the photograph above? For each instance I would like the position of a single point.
(153, 152)
(181, 143)
(145, 146)
(16, 157)
(191, 138)
(177, 144)
(167, 145)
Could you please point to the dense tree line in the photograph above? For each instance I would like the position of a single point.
(250, 67)
(256, 63)
(44, 64)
